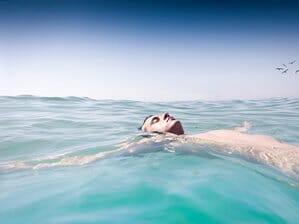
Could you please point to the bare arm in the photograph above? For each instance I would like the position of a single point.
(125, 149)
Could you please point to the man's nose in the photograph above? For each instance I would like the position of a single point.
(165, 115)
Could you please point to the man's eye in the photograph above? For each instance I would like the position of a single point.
(155, 120)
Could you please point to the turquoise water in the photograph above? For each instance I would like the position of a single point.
(161, 183)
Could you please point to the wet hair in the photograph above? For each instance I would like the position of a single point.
(140, 128)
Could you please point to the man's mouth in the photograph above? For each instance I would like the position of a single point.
(176, 128)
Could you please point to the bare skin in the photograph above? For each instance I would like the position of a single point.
(163, 123)
(262, 148)
(232, 137)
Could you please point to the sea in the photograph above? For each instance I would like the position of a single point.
(81, 160)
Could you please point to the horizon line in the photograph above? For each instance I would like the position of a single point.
(151, 101)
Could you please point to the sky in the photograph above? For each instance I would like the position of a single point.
(149, 50)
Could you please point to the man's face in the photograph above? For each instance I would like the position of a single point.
(163, 123)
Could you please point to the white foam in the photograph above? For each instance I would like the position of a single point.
(245, 127)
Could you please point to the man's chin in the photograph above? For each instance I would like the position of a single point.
(176, 128)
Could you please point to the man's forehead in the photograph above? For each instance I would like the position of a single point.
(147, 120)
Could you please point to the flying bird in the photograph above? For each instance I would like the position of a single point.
(279, 68)
(292, 62)
(296, 71)
(285, 71)
(284, 65)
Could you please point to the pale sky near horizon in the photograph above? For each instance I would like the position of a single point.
(151, 59)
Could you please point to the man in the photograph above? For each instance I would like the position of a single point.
(261, 148)
(165, 123)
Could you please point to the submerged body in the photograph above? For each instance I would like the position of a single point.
(261, 148)
(236, 138)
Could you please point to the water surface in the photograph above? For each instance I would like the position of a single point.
(161, 183)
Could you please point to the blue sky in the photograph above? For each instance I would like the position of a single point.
(150, 50)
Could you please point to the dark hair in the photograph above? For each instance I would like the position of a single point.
(144, 121)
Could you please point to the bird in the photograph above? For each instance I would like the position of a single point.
(292, 62)
(284, 65)
(285, 71)
(279, 68)
(296, 71)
